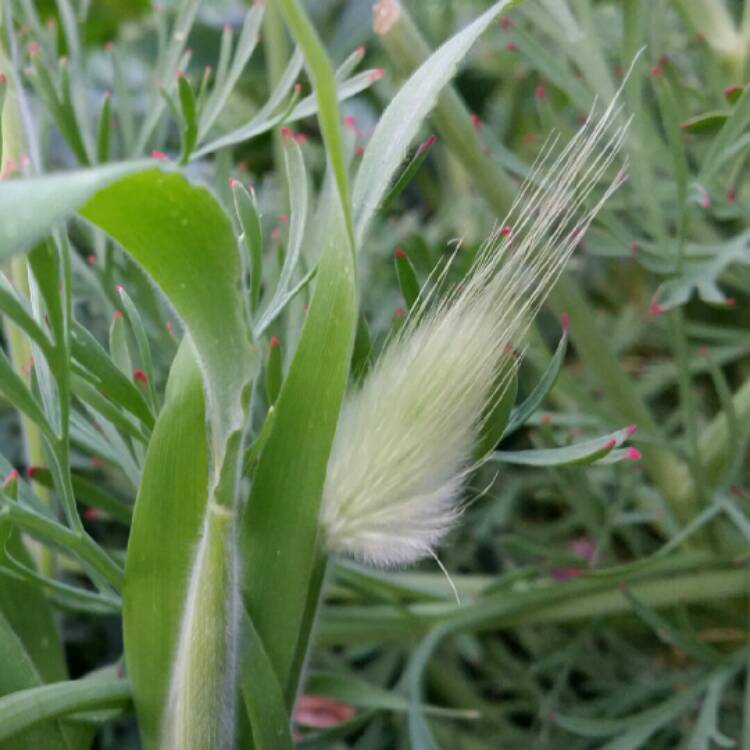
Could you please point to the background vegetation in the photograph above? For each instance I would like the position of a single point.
(603, 601)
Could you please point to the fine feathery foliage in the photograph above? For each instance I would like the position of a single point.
(406, 436)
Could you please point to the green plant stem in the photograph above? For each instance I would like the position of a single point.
(79, 543)
(19, 349)
(407, 49)
(584, 598)
(324, 80)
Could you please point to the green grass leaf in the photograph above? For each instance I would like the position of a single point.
(26, 708)
(165, 531)
(587, 452)
(402, 118)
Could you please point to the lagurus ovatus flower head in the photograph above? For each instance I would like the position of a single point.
(406, 437)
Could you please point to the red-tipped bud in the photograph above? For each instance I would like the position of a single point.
(565, 322)
(630, 429)
(546, 418)
(730, 301)
(505, 22)
(233, 182)
(12, 476)
(427, 144)
(285, 133)
(360, 50)
(2, 79)
(170, 327)
(359, 150)
(376, 74)
(610, 444)
(297, 88)
(656, 72)
(505, 231)
(633, 454)
(284, 219)
(399, 253)
(92, 514)
(140, 377)
(33, 49)
(705, 201)
(730, 91)
(91, 260)
(301, 138)
(117, 315)
(274, 341)
(399, 312)
(31, 471)
(475, 121)
(540, 92)
(350, 122)
(158, 155)
(655, 308)
(511, 47)
(119, 288)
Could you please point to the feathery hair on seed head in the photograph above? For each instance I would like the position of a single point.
(406, 438)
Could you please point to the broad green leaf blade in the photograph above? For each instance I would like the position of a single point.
(30, 208)
(26, 708)
(583, 453)
(262, 693)
(185, 242)
(31, 654)
(280, 525)
(182, 239)
(165, 531)
(400, 122)
(28, 613)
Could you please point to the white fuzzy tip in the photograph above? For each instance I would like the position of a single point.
(406, 438)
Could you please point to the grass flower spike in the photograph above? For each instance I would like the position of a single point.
(406, 438)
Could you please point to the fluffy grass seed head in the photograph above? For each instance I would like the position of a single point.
(406, 437)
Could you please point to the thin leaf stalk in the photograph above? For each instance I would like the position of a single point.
(276, 52)
(19, 349)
